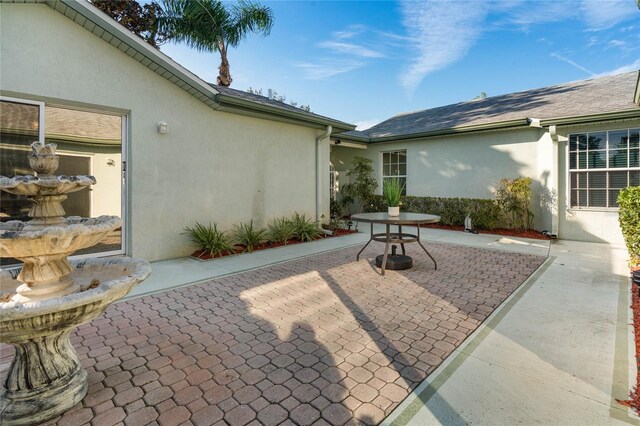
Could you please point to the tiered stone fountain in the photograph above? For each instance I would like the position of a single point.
(51, 295)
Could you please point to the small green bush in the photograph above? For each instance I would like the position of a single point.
(629, 217)
(514, 197)
(362, 187)
(281, 230)
(209, 239)
(305, 229)
(249, 236)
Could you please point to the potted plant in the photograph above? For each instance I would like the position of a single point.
(392, 191)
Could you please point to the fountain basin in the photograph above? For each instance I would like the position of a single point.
(45, 185)
(45, 378)
(44, 252)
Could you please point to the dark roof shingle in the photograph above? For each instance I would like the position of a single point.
(579, 98)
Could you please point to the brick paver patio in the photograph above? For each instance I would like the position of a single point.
(319, 340)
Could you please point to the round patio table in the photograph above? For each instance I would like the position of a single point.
(389, 238)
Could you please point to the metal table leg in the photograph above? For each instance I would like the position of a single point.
(401, 244)
(386, 250)
(425, 250)
(365, 246)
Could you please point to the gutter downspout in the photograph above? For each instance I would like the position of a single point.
(319, 166)
(553, 132)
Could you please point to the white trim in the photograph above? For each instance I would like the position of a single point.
(40, 105)
(607, 170)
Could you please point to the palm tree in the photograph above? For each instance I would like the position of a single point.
(209, 25)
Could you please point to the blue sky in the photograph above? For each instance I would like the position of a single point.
(365, 61)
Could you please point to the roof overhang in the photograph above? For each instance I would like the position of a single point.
(255, 109)
(504, 125)
(592, 119)
(636, 96)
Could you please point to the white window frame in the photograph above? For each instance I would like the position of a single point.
(123, 193)
(405, 176)
(606, 169)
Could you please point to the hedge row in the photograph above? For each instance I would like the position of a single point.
(485, 214)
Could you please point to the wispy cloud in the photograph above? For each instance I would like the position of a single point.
(441, 32)
(634, 66)
(349, 32)
(366, 124)
(324, 69)
(570, 62)
(600, 15)
(351, 49)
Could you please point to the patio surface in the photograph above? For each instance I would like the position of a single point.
(317, 340)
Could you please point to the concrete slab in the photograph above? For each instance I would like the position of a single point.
(557, 352)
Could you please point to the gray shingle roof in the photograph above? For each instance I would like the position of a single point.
(268, 102)
(586, 97)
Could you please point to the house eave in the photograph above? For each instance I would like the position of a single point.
(504, 125)
(592, 119)
(254, 109)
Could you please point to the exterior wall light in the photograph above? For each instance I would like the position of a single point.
(163, 127)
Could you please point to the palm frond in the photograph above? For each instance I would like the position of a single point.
(247, 17)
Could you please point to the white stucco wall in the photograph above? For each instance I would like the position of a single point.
(210, 167)
(468, 166)
(599, 225)
(471, 165)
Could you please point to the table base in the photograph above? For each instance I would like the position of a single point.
(395, 262)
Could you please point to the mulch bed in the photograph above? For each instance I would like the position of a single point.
(500, 231)
(634, 395)
(239, 248)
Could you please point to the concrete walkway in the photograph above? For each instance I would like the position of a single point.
(558, 351)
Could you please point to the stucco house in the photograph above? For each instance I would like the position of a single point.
(167, 148)
(578, 142)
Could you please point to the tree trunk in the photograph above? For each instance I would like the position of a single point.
(224, 77)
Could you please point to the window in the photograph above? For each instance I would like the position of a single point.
(601, 164)
(394, 165)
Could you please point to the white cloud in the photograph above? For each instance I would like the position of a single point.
(441, 32)
(350, 32)
(327, 68)
(600, 15)
(366, 124)
(634, 66)
(570, 62)
(351, 49)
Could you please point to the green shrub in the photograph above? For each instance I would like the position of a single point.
(281, 230)
(209, 239)
(514, 197)
(249, 236)
(629, 217)
(305, 229)
(392, 191)
(485, 214)
(335, 209)
(363, 186)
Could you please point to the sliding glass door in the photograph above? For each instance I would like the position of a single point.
(88, 143)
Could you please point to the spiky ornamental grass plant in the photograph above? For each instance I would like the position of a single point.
(305, 229)
(281, 230)
(249, 236)
(392, 191)
(210, 239)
